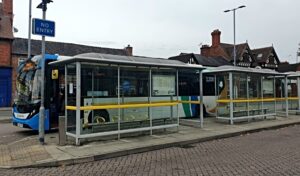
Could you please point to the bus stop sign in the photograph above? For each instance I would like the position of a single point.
(43, 27)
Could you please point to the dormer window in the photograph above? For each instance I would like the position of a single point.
(246, 57)
(271, 58)
(191, 61)
(259, 55)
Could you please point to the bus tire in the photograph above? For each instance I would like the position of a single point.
(198, 111)
(100, 116)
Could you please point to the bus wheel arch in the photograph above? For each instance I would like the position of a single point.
(100, 116)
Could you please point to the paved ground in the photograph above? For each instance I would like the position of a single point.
(10, 133)
(273, 152)
(19, 150)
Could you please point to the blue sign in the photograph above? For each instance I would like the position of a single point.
(43, 27)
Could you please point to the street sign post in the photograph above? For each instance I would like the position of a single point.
(43, 27)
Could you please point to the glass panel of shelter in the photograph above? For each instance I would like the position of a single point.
(280, 95)
(99, 83)
(292, 93)
(163, 90)
(134, 90)
(240, 93)
(188, 93)
(103, 107)
(71, 96)
(222, 94)
(255, 94)
(268, 89)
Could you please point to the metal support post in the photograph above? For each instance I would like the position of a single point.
(42, 108)
(298, 94)
(62, 130)
(150, 99)
(29, 30)
(78, 97)
(231, 97)
(234, 47)
(286, 96)
(262, 95)
(66, 97)
(177, 94)
(92, 103)
(201, 98)
(247, 90)
(274, 89)
(119, 102)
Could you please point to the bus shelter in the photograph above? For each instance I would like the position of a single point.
(244, 93)
(290, 86)
(111, 95)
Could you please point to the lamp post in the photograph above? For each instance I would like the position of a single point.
(29, 31)
(234, 48)
(298, 53)
(43, 6)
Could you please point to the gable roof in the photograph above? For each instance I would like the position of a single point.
(201, 60)
(20, 46)
(262, 54)
(240, 48)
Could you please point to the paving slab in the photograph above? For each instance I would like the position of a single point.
(29, 153)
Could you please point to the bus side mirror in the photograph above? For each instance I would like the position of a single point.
(54, 74)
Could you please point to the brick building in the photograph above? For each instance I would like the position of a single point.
(222, 54)
(6, 39)
(13, 49)
(245, 56)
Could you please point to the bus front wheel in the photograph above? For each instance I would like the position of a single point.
(100, 116)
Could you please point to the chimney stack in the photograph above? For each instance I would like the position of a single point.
(216, 38)
(205, 50)
(128, 50)
(7, 7)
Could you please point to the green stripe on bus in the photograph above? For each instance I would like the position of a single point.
(186, 106)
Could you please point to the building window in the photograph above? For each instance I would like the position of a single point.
(259, 55)
(20, 59)
(246, 57)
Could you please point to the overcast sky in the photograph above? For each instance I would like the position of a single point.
(164, 28)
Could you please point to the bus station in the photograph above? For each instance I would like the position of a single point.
(112, 95)
(108, 95)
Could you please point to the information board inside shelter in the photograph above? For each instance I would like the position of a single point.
(163, 85)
